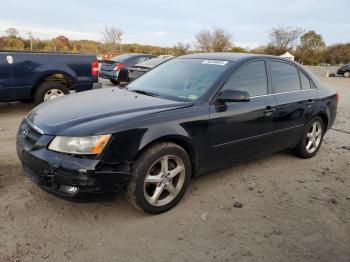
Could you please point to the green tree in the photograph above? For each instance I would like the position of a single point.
(283, 39)
(61, 43)
(217, 40)
(12, 32)
(180, 48)
(311, 49)
(13, 43)
(338, 54)
(238, 49)
(259, 50)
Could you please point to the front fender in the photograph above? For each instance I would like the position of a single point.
(157, 133)
(125, 146)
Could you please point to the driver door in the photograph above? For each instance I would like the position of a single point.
(242, 130)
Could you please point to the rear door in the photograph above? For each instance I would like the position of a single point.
(293, 103)
(242, 130)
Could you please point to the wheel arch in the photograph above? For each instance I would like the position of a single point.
(325, 118)
(55, 76)
(179, 140)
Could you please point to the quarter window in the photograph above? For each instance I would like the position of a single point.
(285, 77)
(250, 77)
(305, 82)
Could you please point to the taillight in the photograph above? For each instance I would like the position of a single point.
(118, 67)
(94, 68)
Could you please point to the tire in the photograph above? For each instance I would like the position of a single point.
(314, 131)
(347, 74)
(143, 194)
(42, 93)
(113, 81)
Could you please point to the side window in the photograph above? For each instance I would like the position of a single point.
(305, 82)
(250, 77)
(143, 58)
(285, 77)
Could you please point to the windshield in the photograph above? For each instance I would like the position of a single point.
(180, 79)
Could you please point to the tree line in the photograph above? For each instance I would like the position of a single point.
(308, 47)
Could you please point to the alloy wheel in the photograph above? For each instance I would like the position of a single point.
(53, 94)
(313, 137)
(164, 180)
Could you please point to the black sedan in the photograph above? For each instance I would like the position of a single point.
(129, 74)
(186, 117)
(110, 68)
(344, 70)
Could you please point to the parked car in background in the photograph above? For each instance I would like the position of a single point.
(110, 68)
(344, 71)
(188, 116)
(44, 76)
(130, 73)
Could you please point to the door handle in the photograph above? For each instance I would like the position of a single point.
(269, 110)
(310, 102)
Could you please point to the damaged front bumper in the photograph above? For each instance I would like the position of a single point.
(66, 175)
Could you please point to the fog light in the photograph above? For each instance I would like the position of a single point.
(69, 189)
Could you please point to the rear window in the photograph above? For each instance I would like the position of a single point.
(305, 82)
(121, 58)
(285, 77)
(153, 62)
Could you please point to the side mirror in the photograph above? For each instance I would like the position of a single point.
(233, 96)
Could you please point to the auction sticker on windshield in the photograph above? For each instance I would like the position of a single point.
(215, 62)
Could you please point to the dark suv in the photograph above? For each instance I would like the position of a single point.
(110, 68)
(344, 71)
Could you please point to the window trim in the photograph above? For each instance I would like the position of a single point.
(237, 70)
(281, 93)
(311, 83)
(274, 91)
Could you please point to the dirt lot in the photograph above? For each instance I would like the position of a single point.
(293, 210)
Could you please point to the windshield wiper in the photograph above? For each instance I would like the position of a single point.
(143, 92)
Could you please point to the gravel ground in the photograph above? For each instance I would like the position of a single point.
(293, 209)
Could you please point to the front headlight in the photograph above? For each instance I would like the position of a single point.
(88, 145)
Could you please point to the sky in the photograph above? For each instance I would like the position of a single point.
(165, 23)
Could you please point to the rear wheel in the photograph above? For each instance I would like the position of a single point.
(312, 139)
(161, 177)
(49, 91)
(347, 74)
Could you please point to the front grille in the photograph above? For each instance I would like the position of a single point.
(28, 135)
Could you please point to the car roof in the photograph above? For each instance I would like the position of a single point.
(136, 54)
(226, 56)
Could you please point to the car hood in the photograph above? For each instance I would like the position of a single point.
(96, 111)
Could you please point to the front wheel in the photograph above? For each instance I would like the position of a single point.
(49, 91)
(347, 74)
(312, 139)
(161, 178)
